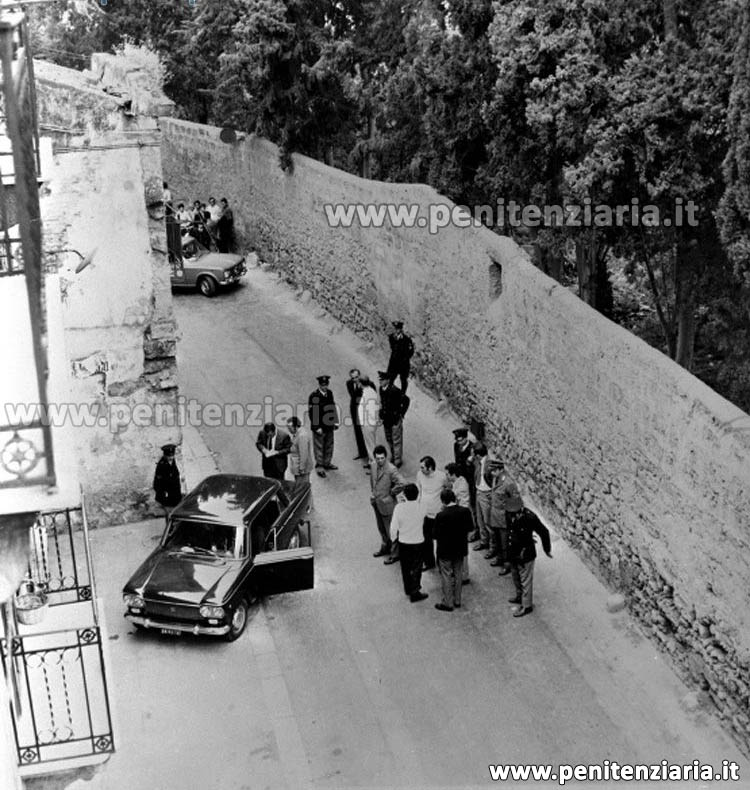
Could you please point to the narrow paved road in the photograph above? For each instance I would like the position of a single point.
(391, 694)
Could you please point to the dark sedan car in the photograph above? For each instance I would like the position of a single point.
(232, 539)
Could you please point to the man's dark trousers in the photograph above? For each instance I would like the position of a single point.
(411, 566)
(428, 547)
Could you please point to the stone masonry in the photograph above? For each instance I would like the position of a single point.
(644, 469)
(104, 195)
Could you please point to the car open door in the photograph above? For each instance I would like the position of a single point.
(278, 570)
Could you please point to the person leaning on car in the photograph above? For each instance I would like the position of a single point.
(274, 446)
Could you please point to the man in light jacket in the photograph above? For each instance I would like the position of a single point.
(302, 453)
(385, 483)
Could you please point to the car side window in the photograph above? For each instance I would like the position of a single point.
(189, 250)
(262, 523)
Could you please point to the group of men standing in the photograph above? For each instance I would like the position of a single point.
(386, 406)
(430, 522)
(433, 520)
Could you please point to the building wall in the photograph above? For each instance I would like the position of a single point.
(103, 195)
(641, 467)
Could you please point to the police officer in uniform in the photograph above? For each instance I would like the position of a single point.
(167, 482)
(324, 421)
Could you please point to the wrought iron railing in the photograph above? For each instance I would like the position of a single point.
(62, 690)
(60, 558)
(59, 698)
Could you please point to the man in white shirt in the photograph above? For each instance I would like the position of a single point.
(430, 485)
(407, 527)
(214, 211)
(483, 486)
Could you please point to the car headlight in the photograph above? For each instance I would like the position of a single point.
(227, 273)
(133, 601)
(212, 612)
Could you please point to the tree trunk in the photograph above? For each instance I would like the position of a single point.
(367, 157)
(685, 335)
(586, 265)
(687, 263)
(669, 9)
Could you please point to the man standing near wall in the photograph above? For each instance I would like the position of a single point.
(402, 350)
(323, 422)
(393, 405)
(463, 456)
(385, 483)
(522, 552)
(505, 501)
(354, 388)
(225, 228)
(483, 487)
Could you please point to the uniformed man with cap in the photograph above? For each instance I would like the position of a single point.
(402, 350)
(167, 482)
(393, 405)
(324, 420)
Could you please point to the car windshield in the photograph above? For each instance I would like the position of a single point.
(200, 537)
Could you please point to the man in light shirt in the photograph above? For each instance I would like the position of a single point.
(430, 485)
(483, 487)
(301, 452)
(407, 527)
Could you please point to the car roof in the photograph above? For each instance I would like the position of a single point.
(227, 499)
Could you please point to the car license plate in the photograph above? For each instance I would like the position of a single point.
(171, 631)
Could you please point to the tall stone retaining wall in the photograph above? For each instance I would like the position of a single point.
(645, 470)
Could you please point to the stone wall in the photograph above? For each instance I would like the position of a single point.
(103, 195)
(642, 468)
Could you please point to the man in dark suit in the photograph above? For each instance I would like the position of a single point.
(452, 526)
(324, 420)
(463, 455)
(393, 405)
(274, 445)
(354, 388)
(402, 350)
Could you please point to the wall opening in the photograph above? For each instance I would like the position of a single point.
(496, 279)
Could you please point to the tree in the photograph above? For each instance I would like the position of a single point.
(662, 142)
(276, 79)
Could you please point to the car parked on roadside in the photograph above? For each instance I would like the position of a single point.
(198, 267)
(232, 539)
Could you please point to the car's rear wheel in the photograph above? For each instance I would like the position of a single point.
(207, 286)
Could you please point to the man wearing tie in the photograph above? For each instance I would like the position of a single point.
(274, 446)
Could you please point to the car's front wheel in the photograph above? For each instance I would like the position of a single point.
(207, 286)
(240, 616)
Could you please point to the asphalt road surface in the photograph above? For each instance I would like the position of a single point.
(360, 687)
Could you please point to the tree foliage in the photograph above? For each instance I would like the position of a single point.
(544, 102)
